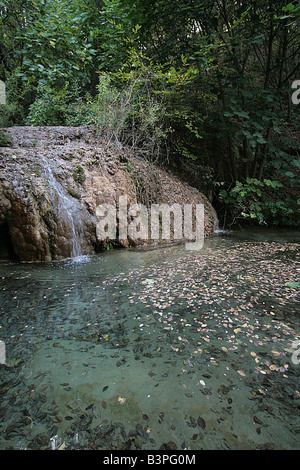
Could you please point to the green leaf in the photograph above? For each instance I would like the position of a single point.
(228, 114)
(296, 162)
(289, 7)
(223, 193)
(273, 184)
(290, 174)
(261, 140)
(242, 114)
(294, 285)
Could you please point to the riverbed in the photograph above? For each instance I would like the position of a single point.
(152, 349)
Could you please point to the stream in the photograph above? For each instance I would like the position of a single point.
(154, 348)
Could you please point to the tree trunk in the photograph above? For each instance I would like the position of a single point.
(263, 161)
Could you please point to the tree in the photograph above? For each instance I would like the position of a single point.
(58, 44)
(221, 71)
(14, 16)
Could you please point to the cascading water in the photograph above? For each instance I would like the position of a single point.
(66, 208)
(216, 220)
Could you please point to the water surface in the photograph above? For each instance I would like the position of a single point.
(148, 349)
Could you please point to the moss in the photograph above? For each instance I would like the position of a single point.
(79, 175)
(5, 140)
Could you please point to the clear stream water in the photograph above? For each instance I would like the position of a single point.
(154, 349)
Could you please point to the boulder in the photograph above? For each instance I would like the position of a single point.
(52, 179)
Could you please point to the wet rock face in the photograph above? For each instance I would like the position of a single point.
(52, 179)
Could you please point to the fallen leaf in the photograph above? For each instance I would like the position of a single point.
(257, 420)
(201, 422)
(62, 446)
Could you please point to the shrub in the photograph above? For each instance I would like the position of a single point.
(78, 175)
(47, 111)
(261, 201)
(61, 108)
(79, 112)
(11, 114)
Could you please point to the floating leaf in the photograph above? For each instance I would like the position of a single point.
(62, 446)
(294, 285)
(201, 422)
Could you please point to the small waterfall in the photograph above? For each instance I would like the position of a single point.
(66, 208)
(216, 220)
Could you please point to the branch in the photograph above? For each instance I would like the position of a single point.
(289, 75)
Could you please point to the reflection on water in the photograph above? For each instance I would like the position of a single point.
(149, 349)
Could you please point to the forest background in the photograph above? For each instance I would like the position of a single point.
(208, 89)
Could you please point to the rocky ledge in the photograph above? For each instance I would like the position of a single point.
(52, 179)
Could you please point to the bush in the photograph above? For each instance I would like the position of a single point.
(18, 98)
(127, 108)
(80, 113)
(130, 109)
(11, 115)
(61, 108)
(47, 111)
(261, 201)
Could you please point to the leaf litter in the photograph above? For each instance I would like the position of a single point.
(224, 314)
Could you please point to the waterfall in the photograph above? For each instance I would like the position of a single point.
(216, 220)
(66, 208)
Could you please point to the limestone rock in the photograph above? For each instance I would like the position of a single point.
(52, 179)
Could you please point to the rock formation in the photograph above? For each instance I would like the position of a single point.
(52, 179)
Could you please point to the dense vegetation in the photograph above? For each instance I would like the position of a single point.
(204, 87)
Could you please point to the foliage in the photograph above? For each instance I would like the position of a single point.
(125, 107)
(57, 44)
(5, 140)
(78, 174)
(53, 107)
(142, 109)
(262, 201)
(294, 285)
(203, 86)
(10, 115)
(14, 16)
(47, 110)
